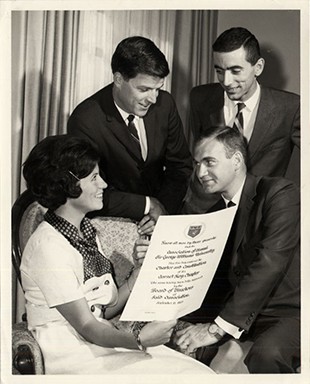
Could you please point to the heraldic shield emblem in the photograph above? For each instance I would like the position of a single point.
(194, 230)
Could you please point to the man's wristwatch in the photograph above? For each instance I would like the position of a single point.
(216, 331)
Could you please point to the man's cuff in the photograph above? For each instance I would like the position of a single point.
(228, 327)
(147, 205)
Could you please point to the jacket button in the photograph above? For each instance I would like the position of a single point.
(92, 308)
(107, 282)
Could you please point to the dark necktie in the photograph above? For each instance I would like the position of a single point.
(238, 123)
(230, 204)
(221, 204)
(133, 130)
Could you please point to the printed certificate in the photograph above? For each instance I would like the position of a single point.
(179, 265)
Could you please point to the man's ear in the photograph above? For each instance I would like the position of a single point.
(259, 66)
(238, 160)
(118, 79)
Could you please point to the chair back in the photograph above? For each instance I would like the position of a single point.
(116, 235)
(26, 216)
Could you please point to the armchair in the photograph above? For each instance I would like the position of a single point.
(26, 354)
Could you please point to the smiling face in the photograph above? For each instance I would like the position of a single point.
(215, 171)
(92, 193)
(136, 95)
(236, 75)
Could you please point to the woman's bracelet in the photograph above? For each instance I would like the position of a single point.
(130, 272)
(128, 277)
(136, 333)
(127, 282)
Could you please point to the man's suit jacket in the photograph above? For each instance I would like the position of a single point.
(261, 260)
(276, 131)
(168, 166)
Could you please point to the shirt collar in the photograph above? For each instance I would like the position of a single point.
(236, 198)
(250, 103)
(124, 114)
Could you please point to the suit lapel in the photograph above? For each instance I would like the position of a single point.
(149, 124)
(116, 124)
(263, 123)
(219, 205)
(217, 118)
(243, 213)
(121, 132)
(217, 110)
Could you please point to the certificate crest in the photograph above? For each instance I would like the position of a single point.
(194, 230)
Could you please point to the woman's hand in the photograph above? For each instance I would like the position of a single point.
(156, 333)
(140, 248)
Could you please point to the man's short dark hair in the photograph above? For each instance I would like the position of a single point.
(237, 37)
(231, 138)
(139, 55)
(54, 166)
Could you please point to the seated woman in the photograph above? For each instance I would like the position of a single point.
(69, 288)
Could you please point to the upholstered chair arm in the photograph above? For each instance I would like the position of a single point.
(26, 354)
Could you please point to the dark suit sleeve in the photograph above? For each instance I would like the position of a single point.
(177, 163)
(295, 137)
(195, 125)
(122, 204)
(86, 122)
(266, 257)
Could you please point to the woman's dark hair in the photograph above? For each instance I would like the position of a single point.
(237, 37)
(54, 167)
(231, 138)
(139, 55)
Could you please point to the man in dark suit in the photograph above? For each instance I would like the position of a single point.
(147, 170)
(271, 118)
(255, 292)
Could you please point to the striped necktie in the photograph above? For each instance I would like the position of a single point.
(238, 123)
(132, 129)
